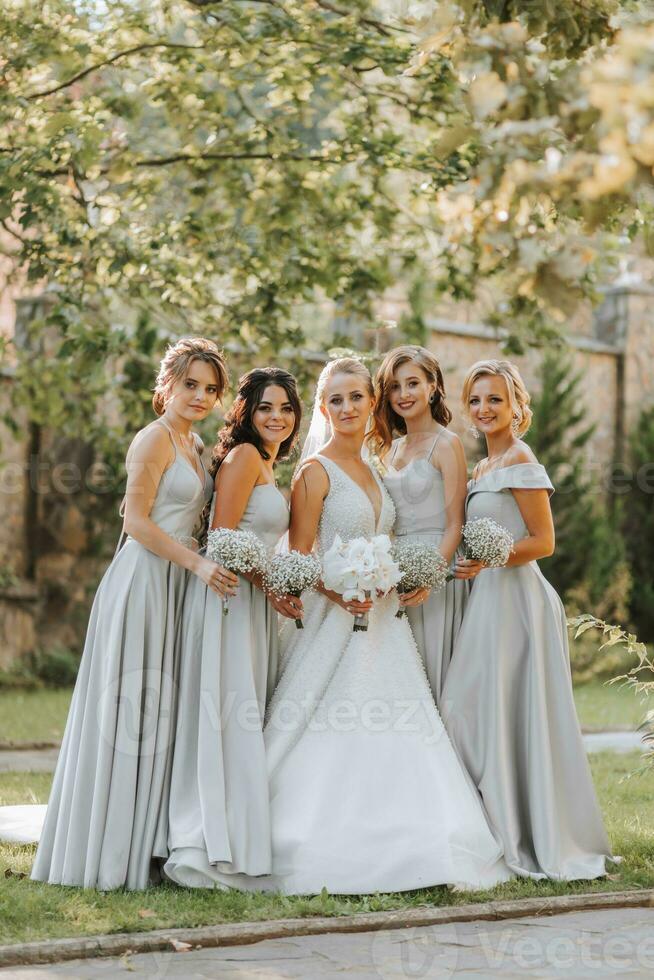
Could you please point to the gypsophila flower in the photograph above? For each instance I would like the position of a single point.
(487, 541)
(422, 567)
(240, 552)
(292, 574)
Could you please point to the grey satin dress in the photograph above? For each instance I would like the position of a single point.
(508, 706)
(106, 820)
(219, 811)
(418, 493)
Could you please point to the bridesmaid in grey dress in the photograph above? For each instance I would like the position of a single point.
(219, 816)
(425, 474)
(507, 703)
(105, 823)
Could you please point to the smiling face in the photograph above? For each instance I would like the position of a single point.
(410, 391)
(489, 404)
(274, 417)
(193, 396)
(347, 403)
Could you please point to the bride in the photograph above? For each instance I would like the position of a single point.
(366, 791)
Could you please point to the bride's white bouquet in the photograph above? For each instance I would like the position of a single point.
(241, 552)
(487, 541)
(292, 573)
(422, 567)
(357, 568)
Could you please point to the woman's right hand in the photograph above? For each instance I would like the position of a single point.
(467, 568)
(352, 606)
(222, 581)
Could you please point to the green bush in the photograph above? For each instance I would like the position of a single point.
(55, 668)
(589, 567)
(639, 526)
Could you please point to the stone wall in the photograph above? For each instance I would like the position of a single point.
(458, 346)
(54, 546)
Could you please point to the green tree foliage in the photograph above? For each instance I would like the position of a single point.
(639, 525)
(588, 566)
(195, 165)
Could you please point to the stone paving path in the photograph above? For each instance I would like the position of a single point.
(44, 760)
(28, 760)
(603, 943)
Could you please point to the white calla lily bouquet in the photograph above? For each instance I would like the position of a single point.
(359, 568)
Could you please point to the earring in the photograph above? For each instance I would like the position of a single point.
(515, 426)
(475, 431)
(432, 398)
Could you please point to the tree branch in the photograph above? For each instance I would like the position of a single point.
(194, 159)
(110, 61)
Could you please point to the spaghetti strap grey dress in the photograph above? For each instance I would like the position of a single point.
(106, 820)
(418, 493)
(508, 706)
(219, 811)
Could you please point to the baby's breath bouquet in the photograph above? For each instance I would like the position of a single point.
(487, 541)
(241, 552)
(292, 574)
(422, 567)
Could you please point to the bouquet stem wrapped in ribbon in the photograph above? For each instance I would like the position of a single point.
(292, 574)
(241, 552)
(422, 567)
(359, 568)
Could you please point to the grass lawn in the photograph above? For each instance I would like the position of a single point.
(33, 716)
(608, 706)
(40, 716)
(30, 911)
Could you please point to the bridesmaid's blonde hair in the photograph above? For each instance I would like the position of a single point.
(176, 362)
(518, 395)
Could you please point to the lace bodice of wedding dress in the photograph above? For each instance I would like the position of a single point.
(348, 510)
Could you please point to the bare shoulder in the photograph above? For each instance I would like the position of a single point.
(245, 458)
(313, 476)
(519, 453)
(450, 444)
(152, 442)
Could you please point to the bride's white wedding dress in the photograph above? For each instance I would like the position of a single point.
(367, 793)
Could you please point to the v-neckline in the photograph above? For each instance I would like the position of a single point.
(376, 518)
(180, 455)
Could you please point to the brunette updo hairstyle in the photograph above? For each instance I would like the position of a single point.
(387, 422)
(176, 362)
(519, 397)
(239, 426)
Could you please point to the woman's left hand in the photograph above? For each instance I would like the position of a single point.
(415, 598)
(467, 568)
(287, 605)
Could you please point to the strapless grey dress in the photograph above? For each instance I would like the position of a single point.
(219, 812)
(508, 706)
(105, 823)
(419, 497)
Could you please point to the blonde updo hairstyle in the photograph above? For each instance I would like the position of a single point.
(387, 422)
(176, 362)
(518, 395)
(343, 365)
